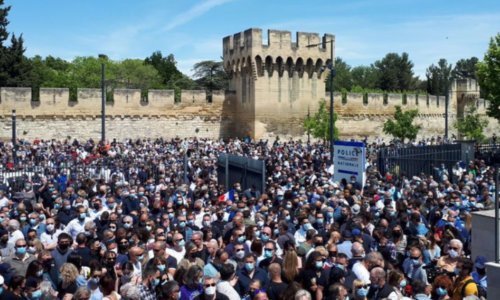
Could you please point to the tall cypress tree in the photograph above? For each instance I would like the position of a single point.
(14, 66)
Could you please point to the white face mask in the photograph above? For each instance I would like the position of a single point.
(210, 291)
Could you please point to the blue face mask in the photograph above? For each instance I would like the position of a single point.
(416, 262)
(83, 215)
(377, 214)
(170, 216)
(441, 291)
(287, 218)
(457, 271)
(21, 251)
(36, 295)
(249, 267)
(161, 268)
(276, 231)
(126, 225)
(362, 292)
(190, 222)
(155, 282)
(319, 221)
(1, 290)
(141, 194)
(393, 213)
(319, 264)
(32, 221)
(268, 254)
(306, 226)
(241, 239)
(23, 219)
(329, 215)
(95, 280)
(57, 206)
(402, 283)
(182, 224)
(264, 238)
(140, 258)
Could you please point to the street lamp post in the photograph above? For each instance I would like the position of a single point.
(332, 74)
(103, 100)
(14, 135)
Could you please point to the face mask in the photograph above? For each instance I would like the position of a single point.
(149, 228)
(119, 211)
(329, 215)
(402, 283)
(319, 221)
(57, 206)
(260, 224)
(32, 250)
(63, 246)
(182, 224)
(416, 262)
(170, 215)
(126, 225)
(268, 254)
(87, 233)
(190, 222)
(32, 221)
(210, 291)
(306, 227)
(83, 216)
(319, 264)
(95, 280)
(377, 214)
(182, 243)
(36, 295)
(140, 258)
(441, 291)
(340, 266)
(161, 267)
(241, 240)
(67, 207)
(249, 266)
(276, 231)
(127, 276)
(453, 253)
(54, 196)
(240, 254)
(141, 194)
(457, 271)
(21, 250)
(39, 273)
(362, 292)
(23, 219)
(155, 282)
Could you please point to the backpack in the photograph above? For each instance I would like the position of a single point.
(481, 292)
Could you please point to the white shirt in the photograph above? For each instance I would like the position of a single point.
(176, 254)
(225, 288)
(14, 237)
(361, 272)
(4, 202)
(50, 238)
(137, 269)
(300, 236)
(75, 227)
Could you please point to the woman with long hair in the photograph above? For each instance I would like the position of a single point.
(192, 286)
(189, 260)
(433, 247)
(256, 248)
(290, 291)
(35, 270)
(397, 280)
(312, 271)
(290, 266)
(67, 287)
(128, 274)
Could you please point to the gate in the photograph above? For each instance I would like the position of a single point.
(490, 153)
(248, 172)
(413, 161)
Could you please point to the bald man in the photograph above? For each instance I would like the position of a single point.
(159, 250)
(275, 287)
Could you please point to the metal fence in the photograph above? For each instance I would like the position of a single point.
(248, 172)
(490, 153)
(414, 161)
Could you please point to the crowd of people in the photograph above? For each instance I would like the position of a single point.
(127, 220)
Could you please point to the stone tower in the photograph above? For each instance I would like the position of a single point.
(277, 83)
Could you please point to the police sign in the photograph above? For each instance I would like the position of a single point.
(349, 160)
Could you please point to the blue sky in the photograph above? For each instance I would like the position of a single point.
(192, 30)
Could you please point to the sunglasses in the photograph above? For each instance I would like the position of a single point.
(363, 287)
(209, 285)
(178, 240)
(238, 250)
(267, 249)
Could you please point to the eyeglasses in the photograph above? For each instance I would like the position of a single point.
(454, 248)
(258, 291)
(209, 285)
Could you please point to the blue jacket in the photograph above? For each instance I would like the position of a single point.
(244, 280)
(39, 230)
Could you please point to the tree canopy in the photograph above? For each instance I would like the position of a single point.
(439, 77)
(319, 124)
(401, 127)
(472, 124)
(488, 73)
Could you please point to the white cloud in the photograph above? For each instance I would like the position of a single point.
(193, 13)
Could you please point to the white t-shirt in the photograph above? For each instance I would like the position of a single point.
(50, 239)
(177, 255)
(361, 272)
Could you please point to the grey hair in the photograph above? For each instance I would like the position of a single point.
(128, 218)
(199, 201)
(198, 233)
(205, 278)
(47, 289)
(302, 293)
(34, 214)
(170, 286)
(91, 225)
(14, 224)
(457, 242)
(83, 290)
(124, 288)
(133, 293)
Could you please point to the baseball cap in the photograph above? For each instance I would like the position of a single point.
(480, 262)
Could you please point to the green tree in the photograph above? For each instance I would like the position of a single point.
(210, 75)
(166, 66)
(364, 76)
(395, 72)
(472, 124)
(401, 127)
(14, 66)
(343, 78)
(438, 77)
(466, 68)
(488, 73)
(319, 125)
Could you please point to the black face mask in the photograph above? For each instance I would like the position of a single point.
(63, 246)
(318, 244)
(481, 271)
(220, 216)
(4, 241)
(96, 206)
